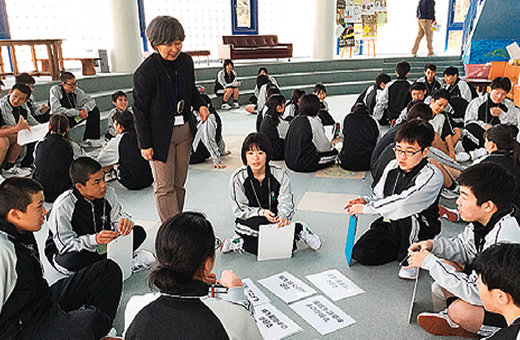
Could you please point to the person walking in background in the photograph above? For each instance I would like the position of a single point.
(426, 19)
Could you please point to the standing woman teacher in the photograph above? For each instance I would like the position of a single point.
(164, 93)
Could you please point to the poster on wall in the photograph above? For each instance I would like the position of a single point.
(340, 12)
(353, 11)
(368, 7)
(369, 23)
(346, 38)
(381, 12)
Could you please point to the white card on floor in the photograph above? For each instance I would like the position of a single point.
(322, 314)
(253, 293)
(334, 284)
(120, 250)
(273, 324)
(275, 243)
(36, 133)
(287, 287)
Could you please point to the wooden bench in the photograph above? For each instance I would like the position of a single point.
(87, 65)
(198, 54)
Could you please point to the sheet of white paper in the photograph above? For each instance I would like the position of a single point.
(287, 287)
(253, 293)
(336, 285)
(513, 50)
(120, 250)
(275, 243)
(273, 324)
(36, 133)
(329, 131)
(322, 314)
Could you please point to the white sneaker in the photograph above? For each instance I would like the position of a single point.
(441, 324)
(234, 243)
(462, 157)
(478, 153)
(408, 274)
(450, 194)
(110, 175)
(236, 105)
(142, 260)
(225, 106)
(16, 171)
(92, 143)
(311, 239)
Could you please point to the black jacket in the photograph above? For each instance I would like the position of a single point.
(154, 106)
(426, 9)
(360, 132)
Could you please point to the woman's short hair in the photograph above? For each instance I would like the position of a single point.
(183, 244)
(164, 30)
(228, 62)
(259, 140)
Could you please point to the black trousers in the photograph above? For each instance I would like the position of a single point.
(92, 127)
(199, 155)
(474, 137)
(386, 241)
(85, 304)
(77, 260)
(254, 223)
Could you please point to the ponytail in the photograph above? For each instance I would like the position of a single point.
(272, 103)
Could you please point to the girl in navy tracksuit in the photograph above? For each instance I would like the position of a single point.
(274, 127)
(133, 171)
(53, 157)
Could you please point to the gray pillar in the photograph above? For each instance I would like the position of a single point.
(324, 23)
(126, 53)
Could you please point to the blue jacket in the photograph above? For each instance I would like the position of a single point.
(426, 9)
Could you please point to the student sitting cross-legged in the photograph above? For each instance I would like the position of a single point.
(84, 219)
(81, 306)
(486, 192)
(307, 147)
(274, 127)
(499, 273)
(406, 197)
(183, 308)
(261, 195)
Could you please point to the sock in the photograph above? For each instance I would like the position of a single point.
(452, 186)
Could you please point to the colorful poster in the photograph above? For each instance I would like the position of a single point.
(368, 7)
(369, 23)
(381, 18)
(353, 11)
(340, 12)
(347, 37)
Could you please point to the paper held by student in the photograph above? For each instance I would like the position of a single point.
(36, 133)
(275, 243)
(120, 250)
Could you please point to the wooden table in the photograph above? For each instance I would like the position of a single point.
(54, 54)
(87, 64)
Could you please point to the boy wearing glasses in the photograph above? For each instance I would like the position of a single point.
(406, 197)
(78, 106)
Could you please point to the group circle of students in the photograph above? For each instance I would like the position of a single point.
(435, 131)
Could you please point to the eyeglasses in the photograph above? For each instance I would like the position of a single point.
(71, 85)
(218, 243)
(406, 152)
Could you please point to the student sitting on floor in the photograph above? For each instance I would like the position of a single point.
(292, 107)
(418, 93)
(260, 195)
(393, 99)
(53, 157)
(485, 202)
(226, 85)
(360, 133)
(81, 306)
(209, 142)
(307, 148)
(406, 197)
(14, 114)
(498, 268)
(429, 80)
(274, 127)
(120, 102)
(461, 93)
(262, 83)
(84, 219)
(368, 97)
(484, 112)
(262, 108)
(122, 154)
(40, 113)
(262, 71)
(446, 136)
(78, 106)
(183, 307)
(320, 91)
